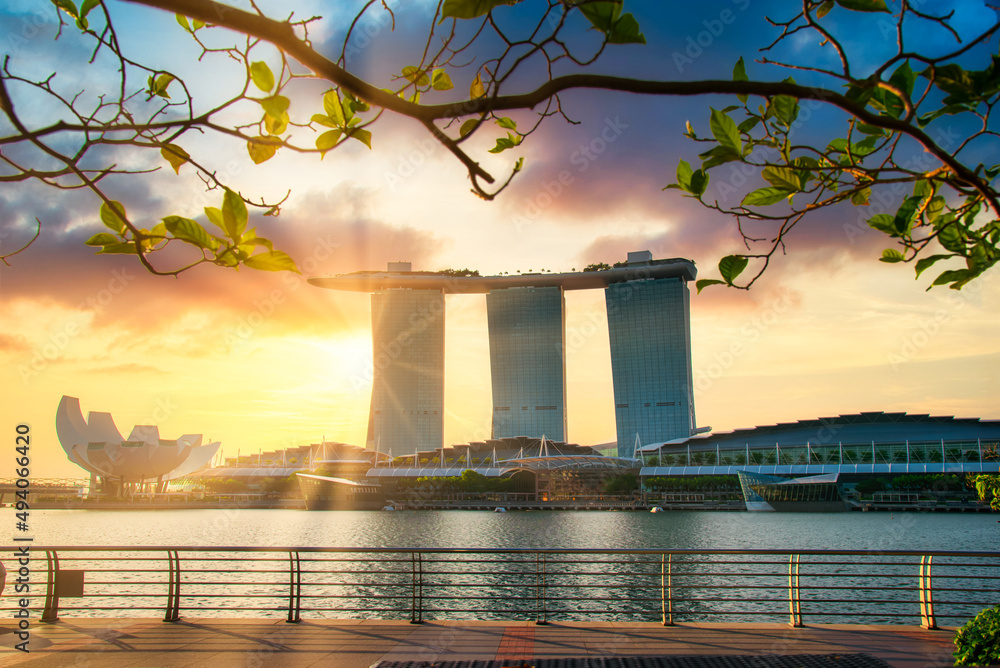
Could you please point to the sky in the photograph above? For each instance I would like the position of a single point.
(262, 360)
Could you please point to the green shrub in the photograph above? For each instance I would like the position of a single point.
(978, 642)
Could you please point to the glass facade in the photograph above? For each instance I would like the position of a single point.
(649, 327)
(527, 361)
(407, 407)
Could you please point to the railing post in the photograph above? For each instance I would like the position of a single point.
(51, 611)
(794, 601)
(540, 588)
(926, 594)
(667, 589)
(294, 588)
(173, 587)
(417, 589)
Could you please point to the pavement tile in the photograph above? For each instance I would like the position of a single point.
(256, 643)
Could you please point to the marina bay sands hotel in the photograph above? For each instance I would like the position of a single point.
(649, 326)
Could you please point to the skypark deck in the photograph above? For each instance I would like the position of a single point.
(373, 281)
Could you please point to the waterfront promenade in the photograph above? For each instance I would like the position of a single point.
(351, 643)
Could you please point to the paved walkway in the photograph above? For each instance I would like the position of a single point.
(263, 643)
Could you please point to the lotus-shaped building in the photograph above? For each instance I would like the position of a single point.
(142, 462)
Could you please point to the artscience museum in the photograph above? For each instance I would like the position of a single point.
(120, 466)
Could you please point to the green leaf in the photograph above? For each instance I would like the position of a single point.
(949, 110)
(883, 222)
(362, 135)
(684, 173)
(325, 121)
(476, 89)
(215, 216)
(251, 239)
(271, 261)
(262, 149)
(415, 75)
(732, 266)
(119, 249)
(861, 197)
(864, 128)
(328, 140)
(197, 24)
(601, 14)
(786, 108)
(749, 124)
(467, 127)
(923, 188)
(926, 262)
(718, 155)
(725, 131)
(276, 125)
(699, 182)
(785, 178)
(261, 76)
(766, 196)
(159, 230)
(67, 6)
(504, 143)
(950, 236)
(102, 239)
(87, 6)
(183, 21)
(189, 231)
(440, 80)
(824, 9)
(175, 155)
(891, 255)
(276, 105)
(470, 9)
(334, 109)
(234, 214)
(705, 282)
(904, 78)
(113, 218)
(740, 74)
(626, 31)
(934, 208)
(506, 123)
(160, 84)
(864, 5)
(957, 277)
(903, 220)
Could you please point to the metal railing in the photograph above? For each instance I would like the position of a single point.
(819, 586)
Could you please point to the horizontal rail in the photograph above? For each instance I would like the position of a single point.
(863, 586)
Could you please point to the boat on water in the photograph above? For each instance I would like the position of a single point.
(499, 509)
(656, 509)
(326, 493)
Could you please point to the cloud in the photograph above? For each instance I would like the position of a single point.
(207, 310)
(130, 367)
(13, 343)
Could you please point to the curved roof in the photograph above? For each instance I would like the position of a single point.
(427, 472)
(249, 472)
(373, 281)
(542, 463)
(877, 426)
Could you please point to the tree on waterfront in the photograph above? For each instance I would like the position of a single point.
(988, 489)
(916, 127)
(622, 484)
